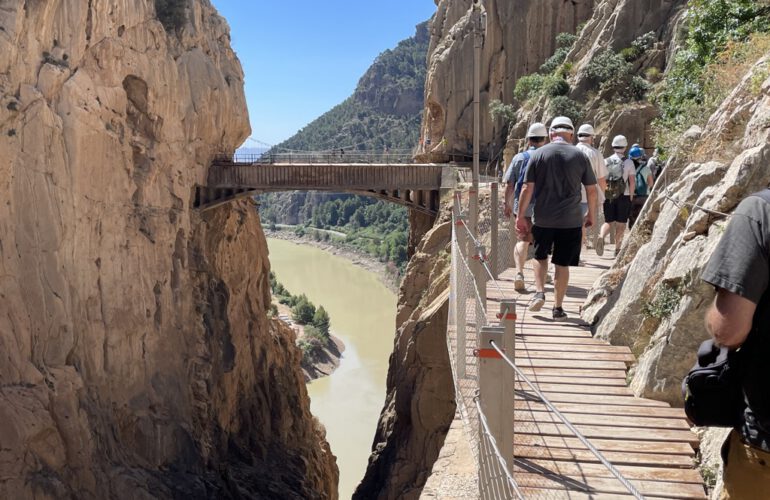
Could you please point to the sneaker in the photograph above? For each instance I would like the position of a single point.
(537, 302)
(559, 314)
(599, 246)
(518, 283)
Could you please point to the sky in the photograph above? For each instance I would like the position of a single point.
(302, 58)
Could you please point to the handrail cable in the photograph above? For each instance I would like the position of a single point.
(482, 259)
(631, 489)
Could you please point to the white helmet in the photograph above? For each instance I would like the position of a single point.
(586, 129)
(562, 122)
(537, 130)
(620, 141)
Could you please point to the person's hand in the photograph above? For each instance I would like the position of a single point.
(588, 221)
(522, 227)
(507, 211)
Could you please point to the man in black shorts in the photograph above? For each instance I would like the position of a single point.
(619, 194)
(557, 171)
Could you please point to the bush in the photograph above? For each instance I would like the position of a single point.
(528, 86)
(638, 88)
(303, 311)
(321, 321)
(554, 86)
(552, 63)
(608, 69)
(507, 112)
(653, 75)
(564, 106)
(566, 40)
(171, 13)
(665, 302)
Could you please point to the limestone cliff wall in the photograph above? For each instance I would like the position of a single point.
(520, 36)
(137, 358)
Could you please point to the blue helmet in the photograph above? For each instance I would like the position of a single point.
(635, 153)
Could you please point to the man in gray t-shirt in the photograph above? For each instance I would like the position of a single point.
(556, 173)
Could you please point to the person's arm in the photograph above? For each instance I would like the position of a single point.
(729, 318)
(650, 181)
(509, 191)
(592, 198)
(631, 182)
(525, 197)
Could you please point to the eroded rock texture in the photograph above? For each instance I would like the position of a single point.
(520, 36)
(137, 360)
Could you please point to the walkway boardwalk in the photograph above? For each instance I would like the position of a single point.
(649, 442)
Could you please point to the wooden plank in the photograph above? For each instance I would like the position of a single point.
(598, 355)
(573, 372)
(605, 410)
(640, 444)
(599, 399)
(605, 432)
(618, 458)
(581, 469)
(592, 346)
(565, 363)
(578, 388)
(593, 381)
(551, 494)
(610, 486)
(640, 422)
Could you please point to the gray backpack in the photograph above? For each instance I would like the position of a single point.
(616, 186)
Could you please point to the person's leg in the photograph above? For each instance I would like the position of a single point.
(541, 268)
(520, 256)
(620, 228)
(566, 253)
(624, 210)
(561, 281)
(609, 217)
(543, 239)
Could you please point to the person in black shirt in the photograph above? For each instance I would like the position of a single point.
(739, 317)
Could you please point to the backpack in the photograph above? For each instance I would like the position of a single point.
(616, 185)
(641, 182)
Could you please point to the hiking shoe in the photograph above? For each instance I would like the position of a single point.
(518, 283)
(599, 246)
(559, 314)
(537, 302)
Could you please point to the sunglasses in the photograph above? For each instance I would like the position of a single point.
(618, 148)
(585, 135)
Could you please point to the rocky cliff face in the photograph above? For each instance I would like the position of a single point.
(520, 35)
(138, 361)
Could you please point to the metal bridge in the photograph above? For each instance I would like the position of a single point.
(393, 177)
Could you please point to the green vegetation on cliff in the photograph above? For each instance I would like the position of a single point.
(723, 36)
(383, 114)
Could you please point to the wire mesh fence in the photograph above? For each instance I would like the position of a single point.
(551, 458)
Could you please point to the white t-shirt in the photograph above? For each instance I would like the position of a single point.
(599, 167)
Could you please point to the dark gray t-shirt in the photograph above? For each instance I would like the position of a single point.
(558, 170)
(741, 264)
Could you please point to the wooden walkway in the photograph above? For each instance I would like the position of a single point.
(649, 442)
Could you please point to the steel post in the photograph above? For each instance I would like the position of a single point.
(495, 244)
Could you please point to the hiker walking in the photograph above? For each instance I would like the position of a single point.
(556, 171)
(643, 180)
(585, 145)
(618, 195)
(514, 179)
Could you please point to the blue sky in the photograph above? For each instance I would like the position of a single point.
(302, 58)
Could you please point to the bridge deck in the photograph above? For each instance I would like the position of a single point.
(648, 441)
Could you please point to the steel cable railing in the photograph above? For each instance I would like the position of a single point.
(468, 315)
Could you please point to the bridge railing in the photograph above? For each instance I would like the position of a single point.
(482, 345)
(318, 157)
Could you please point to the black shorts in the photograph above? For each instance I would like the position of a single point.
(566, 244)
(617, 210)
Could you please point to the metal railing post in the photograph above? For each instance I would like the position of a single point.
(492, 371)
(495, 244)
(462, 299)
(508, 385)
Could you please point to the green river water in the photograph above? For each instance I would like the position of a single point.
(362, 315)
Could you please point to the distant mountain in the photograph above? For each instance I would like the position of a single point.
(384, 112)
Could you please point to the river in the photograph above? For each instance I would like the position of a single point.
(362, 312)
